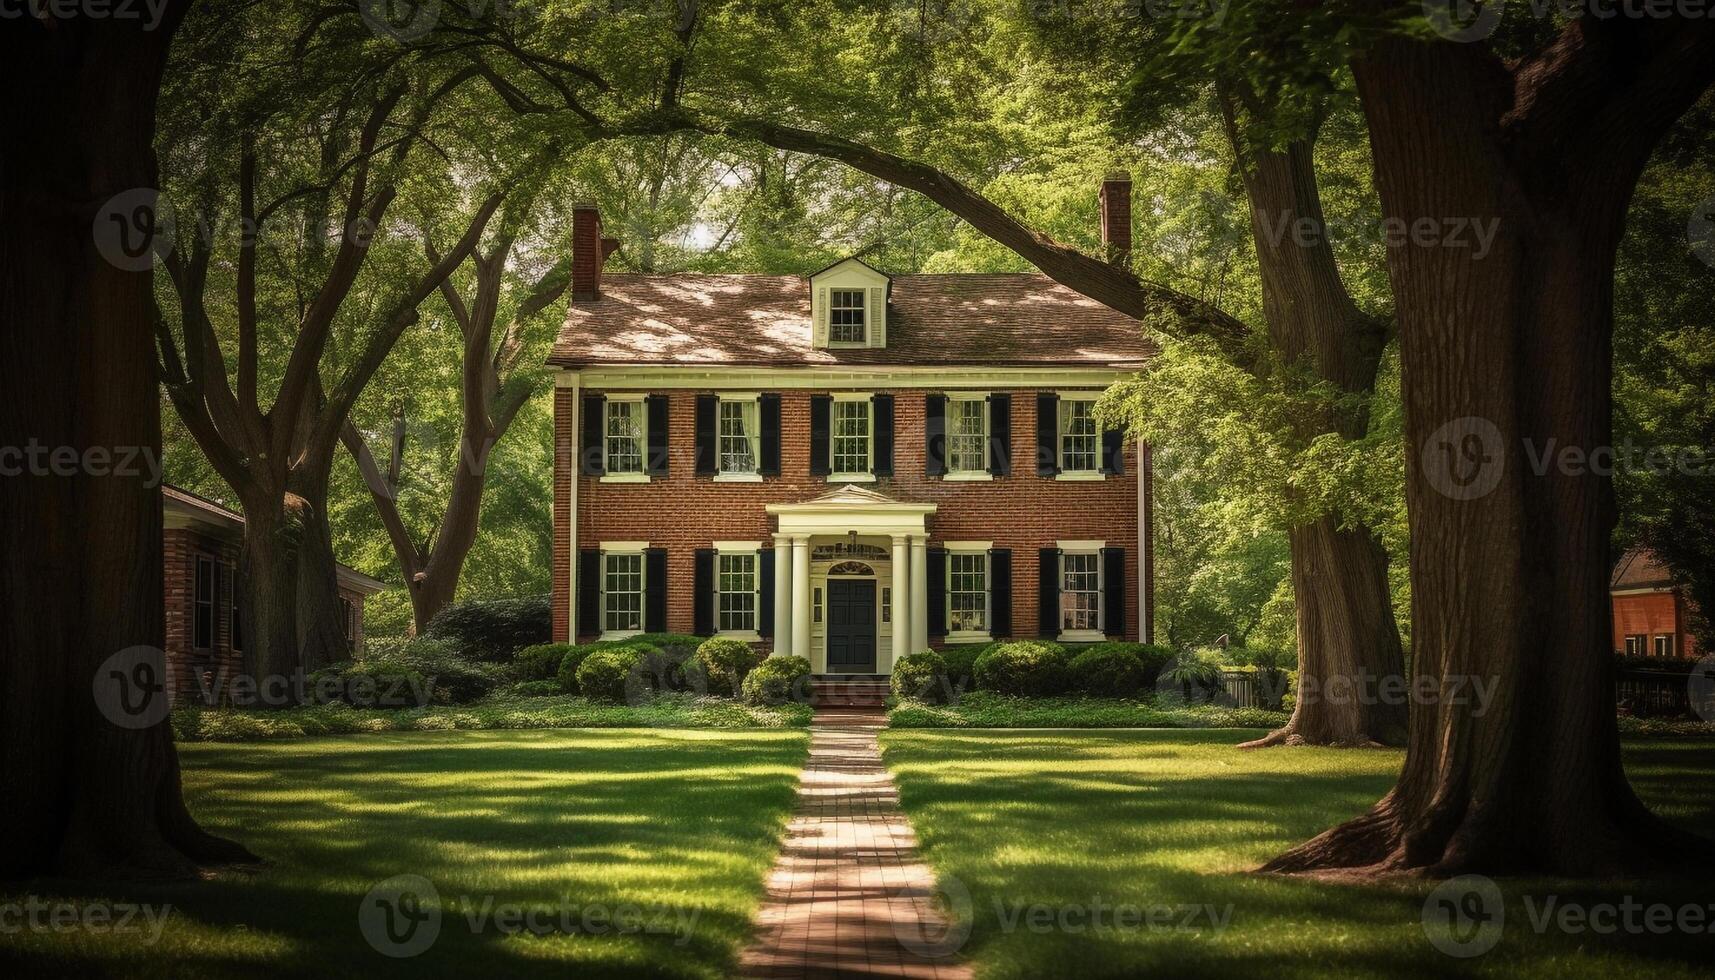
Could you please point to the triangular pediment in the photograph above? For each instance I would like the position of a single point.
(854, 496)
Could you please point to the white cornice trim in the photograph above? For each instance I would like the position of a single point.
(654, 377)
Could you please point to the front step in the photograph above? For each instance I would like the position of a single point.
(848, 692)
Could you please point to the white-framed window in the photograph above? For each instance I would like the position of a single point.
(967, 592)
(851, 437)
(625, 428)
(1635, 645)
(815, 605)
(967, 436)
(1080, 437)
(846, 322)
(886, 605)
(203, 603)
(622, 592)
(1664, 644)
(738, 436)
(735, 591)
(1081, 592)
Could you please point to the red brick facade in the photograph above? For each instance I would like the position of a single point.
(683, 512)
(1649, 615)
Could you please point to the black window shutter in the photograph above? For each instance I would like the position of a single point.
(655, 590)
(1000, 592)
(703, 581)
(770, 462)
(1000, 434)
(657, 460)
(592, 448)
(821, 409)
(1113, 591)
(1113, 450)
(881, 407)
(935, 434)
(765, 585)
(589, 592)
(1048, 593)
(937, 572)
(707, 405)
(1047, 434)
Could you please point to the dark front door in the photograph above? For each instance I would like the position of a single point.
(851, 626)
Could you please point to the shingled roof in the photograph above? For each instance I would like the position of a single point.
(1000, 319)
(1640, 568)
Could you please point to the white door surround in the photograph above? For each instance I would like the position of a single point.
(849, 514)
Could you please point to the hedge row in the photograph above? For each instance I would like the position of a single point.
(1030, 668)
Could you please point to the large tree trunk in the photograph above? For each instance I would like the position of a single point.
(268, 564)
(320, 624)
(1348, 642)
(91, 783)
(1503, 354)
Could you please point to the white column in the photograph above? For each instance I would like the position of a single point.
(919, 592)
(782, 595)
(1143, 515)
(902, 635)
(801, 595)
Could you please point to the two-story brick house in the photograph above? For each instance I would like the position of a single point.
(847, 466)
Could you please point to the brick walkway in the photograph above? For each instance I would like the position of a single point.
(848, 896)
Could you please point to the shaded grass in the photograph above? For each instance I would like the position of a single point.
(985, 709)
(195, 724)
(682, 825)
(1056, 823)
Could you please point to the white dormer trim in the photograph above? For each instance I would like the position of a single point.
(849, 274)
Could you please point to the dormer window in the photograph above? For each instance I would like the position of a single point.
(846, 317)
(849, 306)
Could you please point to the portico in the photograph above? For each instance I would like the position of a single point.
(851, 580)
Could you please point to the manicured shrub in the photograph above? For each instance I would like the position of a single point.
(725, 662)
(534, 689)
(605, 674)
(571, 660)
(369, 684)
(540, 662)
(456, 679)
(1193, 676)
(494, 629)
(680, 645)
(1109, 670)
(922, 676)
(777, 680)
(1030, 668)
(961, 662)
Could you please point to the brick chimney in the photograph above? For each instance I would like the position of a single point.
(1116, 217)
(589, 251)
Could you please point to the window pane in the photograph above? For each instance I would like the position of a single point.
(1080, 441)
(622, 600)
(735, 592)
(967, 592)
(737, 437)
(624, 437)
(1081, 592)
(967, 443)
(845, 316)
(203, 615)
(851, 437)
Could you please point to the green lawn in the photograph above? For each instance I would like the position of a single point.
(1048, 831)
(673, 831)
